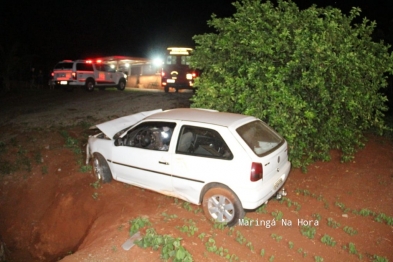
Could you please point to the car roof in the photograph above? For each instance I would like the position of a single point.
(202, 116)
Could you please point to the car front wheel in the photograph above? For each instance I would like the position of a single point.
(101, 168)
(222, 205)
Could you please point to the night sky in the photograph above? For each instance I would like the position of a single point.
(57, 30)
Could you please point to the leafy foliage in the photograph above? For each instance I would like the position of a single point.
(313, 75)
(170, 247)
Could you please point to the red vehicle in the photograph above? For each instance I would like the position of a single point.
(176, 72)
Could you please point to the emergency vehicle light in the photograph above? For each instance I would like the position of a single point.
(179, 50)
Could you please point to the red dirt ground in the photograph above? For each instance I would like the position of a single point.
(52, 211)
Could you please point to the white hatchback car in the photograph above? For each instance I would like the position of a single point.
(226, 162)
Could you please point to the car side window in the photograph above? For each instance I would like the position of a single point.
(150, 135)
(203, 142)
(84, 67)
(109, 68)
(99, 67)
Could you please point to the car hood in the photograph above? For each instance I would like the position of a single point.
(110, 128)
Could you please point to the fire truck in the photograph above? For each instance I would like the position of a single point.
(176, 72)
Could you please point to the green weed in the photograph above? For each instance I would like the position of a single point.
(168, 217)
(137, 224)
(44, 170)
(95, 195)
(240, 238)
(250, 246)
(201, 235)
(261, 210)
(317, 217)
(350, 231)
(85, 169)
(328, 240)
(308, 231)
(223, 252)
(277, 215)
(318, 259)
(171, 248)
(96, 184)
(219, 225)
(333, 224)
(37, 157)
(189, 229)
(187, 206)
(276, 237)
(379, 259)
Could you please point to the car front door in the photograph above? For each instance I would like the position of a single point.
(143, 159)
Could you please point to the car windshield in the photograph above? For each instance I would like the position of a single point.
(260, 137)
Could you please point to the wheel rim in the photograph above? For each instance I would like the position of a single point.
(122, 85)
(221, 208)
(97, 168)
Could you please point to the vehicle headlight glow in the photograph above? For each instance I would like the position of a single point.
(158, 62)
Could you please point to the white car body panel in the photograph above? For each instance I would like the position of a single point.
(149, 170)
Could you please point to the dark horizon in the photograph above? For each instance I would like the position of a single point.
(133, 28)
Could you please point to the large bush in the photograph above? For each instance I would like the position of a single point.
(314, 75)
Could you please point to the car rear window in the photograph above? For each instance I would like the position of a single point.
(63, 66)
(260, 137)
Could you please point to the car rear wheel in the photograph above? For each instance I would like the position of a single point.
(222, 205)
(101, 168)
(90, 85)
(122, 85)
(166, 89)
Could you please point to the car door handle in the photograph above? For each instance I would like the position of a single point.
(164, 163)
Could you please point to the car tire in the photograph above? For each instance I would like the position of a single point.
(89, 85)
(101, 168)
(122, 85)
(222, 205)
(166, 89)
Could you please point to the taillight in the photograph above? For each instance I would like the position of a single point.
(53, 74)
(194, 75)
(74, 75)
(256, 172)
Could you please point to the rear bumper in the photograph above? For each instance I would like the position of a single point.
(253, 198)
(67, 83)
